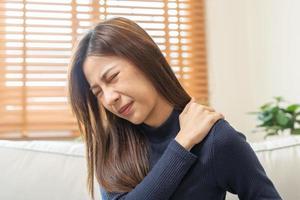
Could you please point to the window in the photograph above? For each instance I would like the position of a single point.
(37, 37)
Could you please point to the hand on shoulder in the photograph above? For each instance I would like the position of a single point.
(195, 121)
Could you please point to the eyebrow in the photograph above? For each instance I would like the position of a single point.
(103, 76)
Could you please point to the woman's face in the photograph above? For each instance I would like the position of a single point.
(116, 82)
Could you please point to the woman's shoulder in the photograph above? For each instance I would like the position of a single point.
(223, 134)
(223, 145)
(222, 129)
(222, 142)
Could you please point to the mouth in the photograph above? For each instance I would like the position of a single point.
(125, 110)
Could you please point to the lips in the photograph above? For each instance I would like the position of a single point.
(124, 108)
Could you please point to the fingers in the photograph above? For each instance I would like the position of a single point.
(216, 116)
(188, 105)
(205, 108)
(208, 108)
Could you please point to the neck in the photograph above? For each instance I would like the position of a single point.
(159, 114)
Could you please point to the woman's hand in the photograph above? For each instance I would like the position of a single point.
(195, 122)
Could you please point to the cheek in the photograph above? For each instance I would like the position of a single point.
(138, 88)
(146, 96)
(143, 90)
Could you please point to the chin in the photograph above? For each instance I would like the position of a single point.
(136, 119)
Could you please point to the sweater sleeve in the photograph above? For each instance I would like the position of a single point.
(237, 168)
(163, 179)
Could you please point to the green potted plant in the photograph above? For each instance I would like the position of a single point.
(276, 118)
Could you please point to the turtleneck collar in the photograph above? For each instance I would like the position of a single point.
(157, 134)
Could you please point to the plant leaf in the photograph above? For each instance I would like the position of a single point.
(281, 118)
(252, 113)
(265, 116)
(278, 98)
(263, 107)
(292, 108)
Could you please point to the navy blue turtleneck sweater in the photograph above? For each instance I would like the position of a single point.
(222, 161)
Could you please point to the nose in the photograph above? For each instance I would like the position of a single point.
(110, 96)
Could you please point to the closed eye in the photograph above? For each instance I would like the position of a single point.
(97, 93)
(113, 76)
(110, 79)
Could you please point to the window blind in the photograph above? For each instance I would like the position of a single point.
(37, 37)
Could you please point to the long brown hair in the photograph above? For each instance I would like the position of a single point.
(117, 153)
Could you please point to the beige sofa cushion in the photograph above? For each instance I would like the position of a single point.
(32, 170)
(43, 170)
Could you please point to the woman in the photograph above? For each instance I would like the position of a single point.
(145, 137)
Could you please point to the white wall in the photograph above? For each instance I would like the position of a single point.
(253, 55)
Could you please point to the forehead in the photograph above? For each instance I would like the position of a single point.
(96, 64)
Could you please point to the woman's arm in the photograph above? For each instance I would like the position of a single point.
(195, 122)
(237, 168)
(163, 179)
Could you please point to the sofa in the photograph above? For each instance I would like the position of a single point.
(56, 170)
